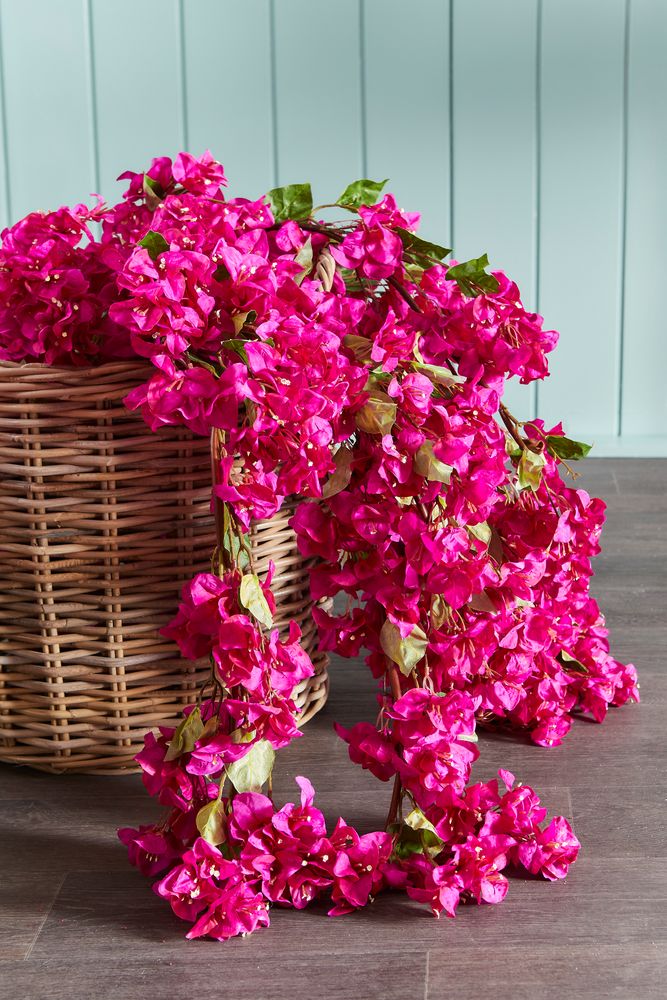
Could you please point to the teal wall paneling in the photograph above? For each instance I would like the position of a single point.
(5, 194)
(581, 186)
(228, 65)
(48, 117)
(495, 145)
(535, 131)
(138, 75)
(317, 94)
(407, 104)
(644, 379)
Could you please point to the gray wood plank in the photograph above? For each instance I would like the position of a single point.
(206, 969)
(26, 896)
(576, 972)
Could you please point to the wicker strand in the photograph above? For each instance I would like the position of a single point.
(326, 269)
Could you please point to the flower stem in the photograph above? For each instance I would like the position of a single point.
(512, 425)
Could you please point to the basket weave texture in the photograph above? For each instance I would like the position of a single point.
(101, 523)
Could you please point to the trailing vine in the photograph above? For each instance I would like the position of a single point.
(347, 364)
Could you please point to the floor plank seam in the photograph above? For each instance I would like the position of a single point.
(45, 917)
(426, 972)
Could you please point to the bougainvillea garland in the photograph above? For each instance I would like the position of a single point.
(345, 363)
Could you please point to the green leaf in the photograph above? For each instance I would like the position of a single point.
(250, 772)
(153, 193)
(481, 531)
(211, 822)
(253, 599)
(239, 320)
(439, 375)
(439, 611)
(360, 347)
(566, 448)
(572, 664)
(482, 602)
(418, 836)
(530, 469)
(472, 278)
(155, 243)
(417, 821)
(427, 465)
(238, 346)
(406, 651)
(294, 201)
(351, 279)
(363, 192)
(413, 271)
(305, 259)
(511, 447)
(232, 543)
(342, 474)
(186, 734)
(378, 414)
(421, 250)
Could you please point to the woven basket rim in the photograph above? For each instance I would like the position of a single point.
(109, 367)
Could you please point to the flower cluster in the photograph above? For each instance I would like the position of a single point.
(257, 855)
(345, 363)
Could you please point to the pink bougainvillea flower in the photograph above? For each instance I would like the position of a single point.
(287, 849)
(195, 883)
(149, 849)
(374, 750)
(235, 908)
(359, 869)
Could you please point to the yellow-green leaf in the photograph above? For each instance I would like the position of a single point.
(153, 193)
(253, 600)
(430, 467)
(406, 651)
(419, 836)
(250, 772)
(439, 610)
(530, 469)
(305, 259)
(378, 414)
(482, 602)
(439, 375)
(187, 732)
(211, 822)
(360, 347)
(481, 531)
(238, 319)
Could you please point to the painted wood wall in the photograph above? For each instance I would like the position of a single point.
(535, 130)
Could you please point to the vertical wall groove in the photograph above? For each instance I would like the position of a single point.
(92, 94)
(362, 88)
(623, 220)
(452, 190)
(4, 138)
(182, 70)
(537, 233)
(274, 92)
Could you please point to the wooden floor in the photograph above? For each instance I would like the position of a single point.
(76, 923)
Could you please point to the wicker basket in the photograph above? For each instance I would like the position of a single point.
(101, 522)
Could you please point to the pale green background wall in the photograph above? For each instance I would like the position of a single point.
(533, 129)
